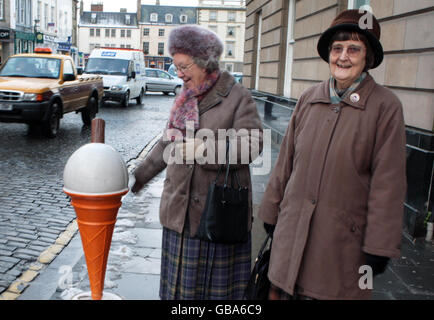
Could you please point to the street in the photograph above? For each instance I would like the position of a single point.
(34, 211)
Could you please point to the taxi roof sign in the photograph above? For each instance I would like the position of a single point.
(43, 50)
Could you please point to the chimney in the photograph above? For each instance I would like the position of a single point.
(139, 10)
(123, 10)
(81, 8)
(157, 2)
(97, 7)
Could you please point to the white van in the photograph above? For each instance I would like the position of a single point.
(123, 73)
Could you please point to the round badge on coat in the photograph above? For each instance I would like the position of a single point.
(354, 97)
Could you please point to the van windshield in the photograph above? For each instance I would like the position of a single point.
(107, 66)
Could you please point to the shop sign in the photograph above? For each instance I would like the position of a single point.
(39, 37)
(64, 46)
(5, 34)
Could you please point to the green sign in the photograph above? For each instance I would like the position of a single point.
(24, 36)
(39, 37)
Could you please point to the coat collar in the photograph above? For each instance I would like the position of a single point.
(221, 89)
(322, 94)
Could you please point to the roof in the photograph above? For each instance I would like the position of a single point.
(109, 19)
(146, 11)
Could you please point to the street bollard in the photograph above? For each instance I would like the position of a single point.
(96, 178)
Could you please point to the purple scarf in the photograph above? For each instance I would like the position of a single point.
(185, 108)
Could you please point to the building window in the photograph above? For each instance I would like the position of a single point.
(107, 33)
(93, 18)
(213, 15)
(128, 33)
(230, 49)
(122, 33)
(231, 16)
(154, 17)
(146, 31)
(161, 48)
(127, 19)
(231, 31)
(146, 47)
(91, 32)
(45, 15)
(98, 32)
(356, 4)
(122, 46)
(183, 18)
(161, 32)
(113, 33)
(1, 10)
(128, 46)
(169, 18)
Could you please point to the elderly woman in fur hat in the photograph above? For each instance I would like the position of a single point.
(192, 268)
(335, 197)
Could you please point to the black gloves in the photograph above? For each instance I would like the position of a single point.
(269, 228)
(377, 263)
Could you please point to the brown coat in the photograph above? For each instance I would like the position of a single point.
(337, 191)
(227, 105)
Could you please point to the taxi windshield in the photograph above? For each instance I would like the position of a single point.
(107, 66)
(31, 67)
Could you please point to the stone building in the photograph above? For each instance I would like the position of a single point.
(280, 61)
(155, 23)
(227, 19)
(107, 29)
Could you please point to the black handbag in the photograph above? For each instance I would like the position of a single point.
(225, 216)
(259, 285)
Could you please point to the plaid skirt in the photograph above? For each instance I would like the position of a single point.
(192, 269)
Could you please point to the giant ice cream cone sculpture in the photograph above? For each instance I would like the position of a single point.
(96, 178)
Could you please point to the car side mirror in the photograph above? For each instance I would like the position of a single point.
(79, 71)
(133, 74)
(68, 77)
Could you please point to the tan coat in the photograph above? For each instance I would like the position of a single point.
(337, 191)
(227, 105)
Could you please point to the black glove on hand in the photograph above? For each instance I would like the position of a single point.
(138, 184)
(377, 263)
(269, 228)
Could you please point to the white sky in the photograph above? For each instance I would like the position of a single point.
(115, 5)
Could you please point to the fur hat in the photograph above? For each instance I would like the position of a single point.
(353, 20)
(196, 42)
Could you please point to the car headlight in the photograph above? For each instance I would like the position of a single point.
(116, 88)
(30, 96)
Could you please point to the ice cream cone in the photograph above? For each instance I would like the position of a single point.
(96, 218)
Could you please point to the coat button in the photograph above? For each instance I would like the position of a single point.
(353, 229)
(313, 201)
(195, 199)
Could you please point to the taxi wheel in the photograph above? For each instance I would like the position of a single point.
(139, 99)
(51, 126)
(89, 112)
(126, 100)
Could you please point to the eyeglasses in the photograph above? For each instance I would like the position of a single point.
(352, 51)
(183, 68)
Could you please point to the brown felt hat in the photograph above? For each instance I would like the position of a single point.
(362, 22)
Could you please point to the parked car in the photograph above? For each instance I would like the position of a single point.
(160, 80)
(238, 76)
(39, 88)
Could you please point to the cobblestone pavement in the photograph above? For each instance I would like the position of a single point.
(36, 220)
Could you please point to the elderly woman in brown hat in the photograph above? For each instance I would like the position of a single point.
(335, 197)
(192, 268)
